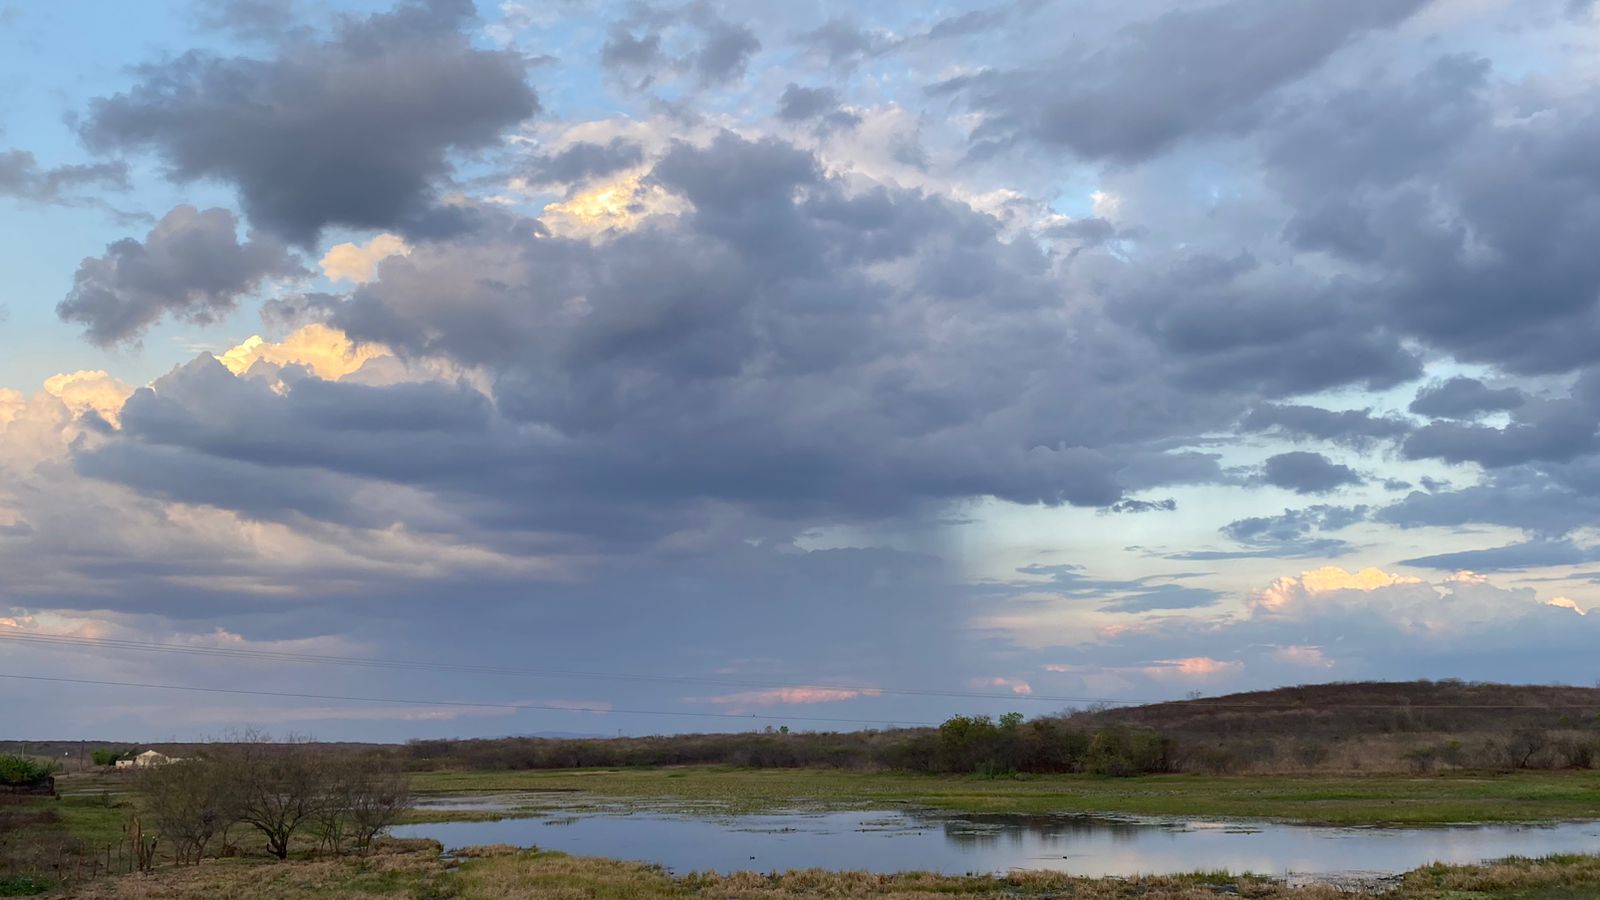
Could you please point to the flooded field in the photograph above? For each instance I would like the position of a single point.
(901, 840)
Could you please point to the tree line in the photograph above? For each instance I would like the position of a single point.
(962, 745)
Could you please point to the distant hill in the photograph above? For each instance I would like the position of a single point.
(1415, 726)
(1356, 709)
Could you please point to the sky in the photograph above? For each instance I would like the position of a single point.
(638, 367)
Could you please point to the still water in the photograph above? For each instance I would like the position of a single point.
(894, 841)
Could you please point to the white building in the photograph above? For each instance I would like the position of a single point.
(145, 760)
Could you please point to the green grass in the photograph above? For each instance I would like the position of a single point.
(88, 819)
(419, 815)
(23, 885)
(1339, 800)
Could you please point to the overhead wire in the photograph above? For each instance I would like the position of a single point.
(284, 656)
(428, 666)
(409, 701)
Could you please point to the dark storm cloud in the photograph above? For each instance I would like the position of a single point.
(726, 51)
(22, 177)
(584, 160)
(1177, 75)
(1296, 534)
(191, 266)
(355, 130)
(1307, 473)
(1153, 467)
(1144, 506)
(1165, 596)
(1246, 326)
(429, 427)
(705, 368)
(622, 50)
(1530, 554)
(718, 49)
(181, 476)
(1518, 497)
(1130, 596)
(1464, 398)
(1466, 222)
(843, 42)
(1542, 431)
(1295, 523)
(1379, 132)
(800, 103)
(1352, 427)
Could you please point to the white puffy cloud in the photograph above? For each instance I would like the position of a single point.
(1285, 592)
(327, 352)
(85, 390)
(359, 262)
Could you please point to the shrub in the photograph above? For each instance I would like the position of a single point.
(23, 770)
(1311, 753)
(1121, 751)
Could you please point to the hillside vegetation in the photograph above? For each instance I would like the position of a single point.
(1352, 709)
(1410, 727)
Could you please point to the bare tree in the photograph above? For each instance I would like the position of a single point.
(190, 800)
(364, 796)
(280, 787)
(376, 800)
(1525, 744)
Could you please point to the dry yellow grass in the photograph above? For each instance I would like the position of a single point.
(415, 869)
(397, 869)
(1507, 875)
(557, 877)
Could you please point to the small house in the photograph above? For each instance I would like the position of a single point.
(145, 760)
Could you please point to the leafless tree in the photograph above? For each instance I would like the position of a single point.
(190, 801)
(281, 787)
(375, 800)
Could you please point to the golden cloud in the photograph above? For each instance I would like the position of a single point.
(359, 262)
(1566, 603)
(1284, 591)
(327, 352)
(86, 390)
(618, 205)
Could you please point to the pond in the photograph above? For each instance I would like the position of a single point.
(901, 840)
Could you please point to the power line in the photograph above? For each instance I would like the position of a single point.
(283, 656)
(67, 640)
(741, 716)
(462, 703)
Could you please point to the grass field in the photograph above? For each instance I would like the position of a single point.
(1341, 800)
(415, 869)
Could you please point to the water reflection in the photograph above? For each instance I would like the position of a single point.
(893, 841)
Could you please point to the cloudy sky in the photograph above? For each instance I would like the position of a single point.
(649, 365)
